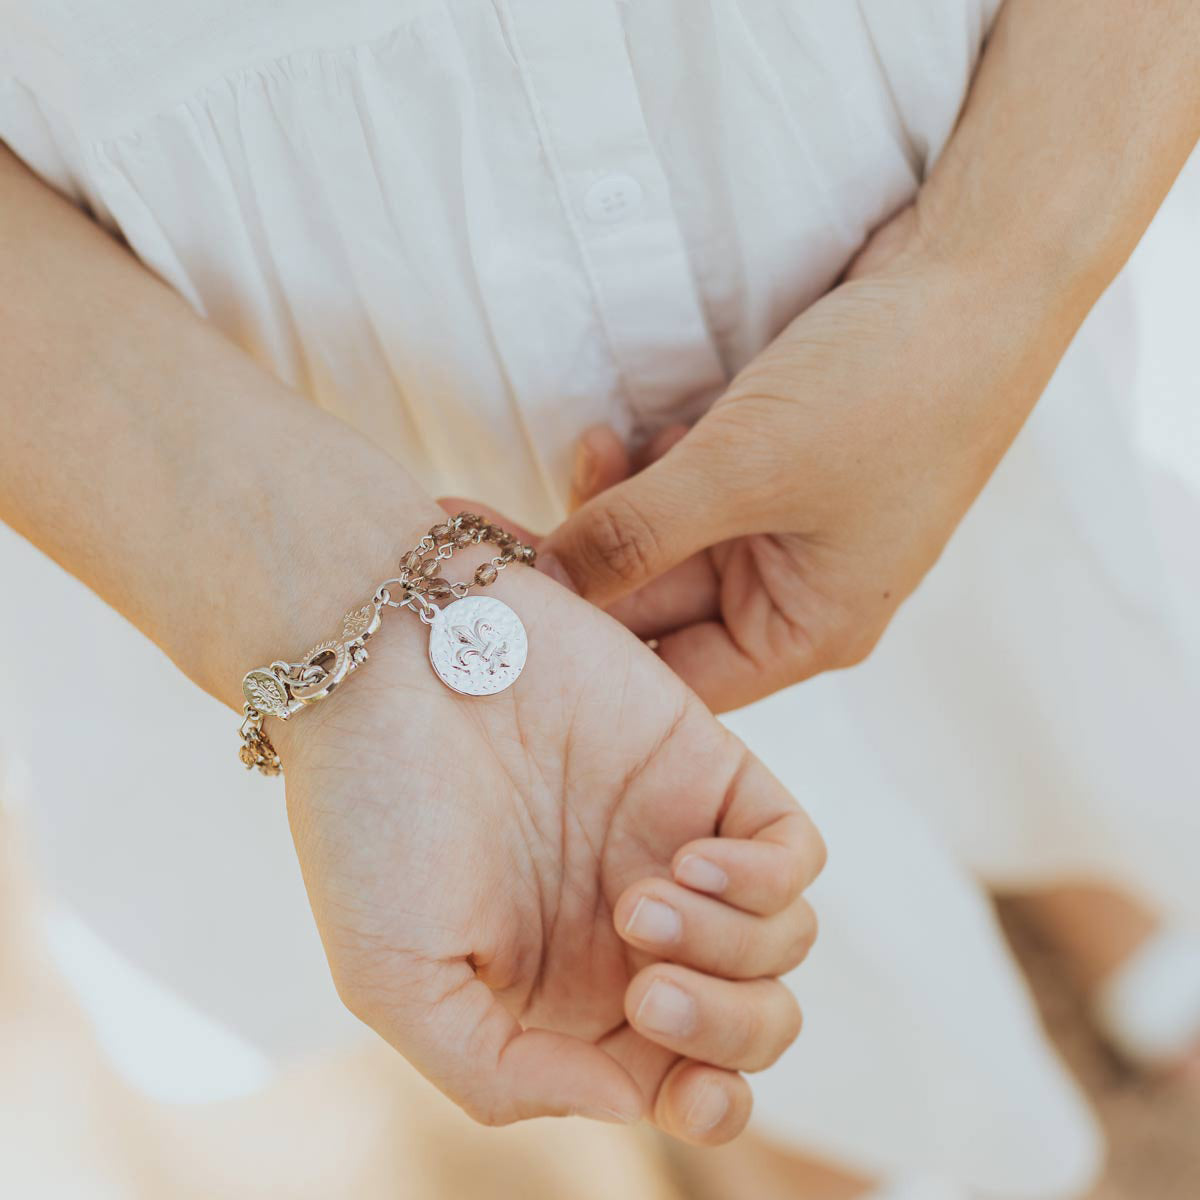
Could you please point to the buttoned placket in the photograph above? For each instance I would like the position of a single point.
(615, 197)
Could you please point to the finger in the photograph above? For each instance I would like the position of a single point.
(601, 460)
(719, 671)
(681, 596)
(763, 875)
(683, 926)
(759, 810)
(658, 445)
(451, 1027)
(678, 1097)
(702, 1104)
(744, 1026)
(624, 537)
(766, 645)
(456, 504)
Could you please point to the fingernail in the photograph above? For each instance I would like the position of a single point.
(612, 1116)
(549, 564)
(696, 872)
(583, 473)
(653, 921)
(708, 1109)
(666, 1009)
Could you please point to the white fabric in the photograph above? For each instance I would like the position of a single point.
(388, 201)
(475, 227)
(1149, 1008)
(920, 1189)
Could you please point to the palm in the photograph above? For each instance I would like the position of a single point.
(461, 849)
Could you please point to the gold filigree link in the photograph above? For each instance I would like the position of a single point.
(283, 688)
(257, 751)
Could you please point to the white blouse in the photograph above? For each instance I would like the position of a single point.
(474, 227)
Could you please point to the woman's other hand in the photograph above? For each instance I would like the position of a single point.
(571, 897)
(778, 536)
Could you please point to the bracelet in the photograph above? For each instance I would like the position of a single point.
(477, 644)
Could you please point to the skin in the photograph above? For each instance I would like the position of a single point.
(474, 865)
(780, 535)
(475, 868)
(160, 466)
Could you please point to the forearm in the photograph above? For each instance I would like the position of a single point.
(1080, 117)
(1077, 123)
(227, 518)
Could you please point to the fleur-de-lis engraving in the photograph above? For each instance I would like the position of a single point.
(264, 693)
(481, 642)
(356, 623)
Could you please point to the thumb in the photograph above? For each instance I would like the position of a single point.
(628, 535)
(455, 1031)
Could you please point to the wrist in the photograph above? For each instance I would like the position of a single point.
(1076, 124)
(1011, 303)
(299, 556)
(1045, 265)
(431, 600)
(1022, 279)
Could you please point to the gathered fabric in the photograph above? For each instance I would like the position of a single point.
(474, 228)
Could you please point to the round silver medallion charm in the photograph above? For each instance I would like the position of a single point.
(477, 645)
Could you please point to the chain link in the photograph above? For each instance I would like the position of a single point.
(283, 688)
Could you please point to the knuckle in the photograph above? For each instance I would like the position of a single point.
(816, 654)
(845, 638)
(818, 854)
(795, 945)
(777, 1025)
(853, 640)
(792, 878)
(841, 632)
(835, 652)
(487, 1113)
(744, 1033)
(805, 932)
(792, 648)
(859, 649)
(745, 945)
(784, 1029)
(791, 1022)
(624, 543)
(802, 859)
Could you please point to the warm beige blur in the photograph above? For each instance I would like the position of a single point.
(363, 1125)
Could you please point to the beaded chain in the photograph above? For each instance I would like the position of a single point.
(470, 657)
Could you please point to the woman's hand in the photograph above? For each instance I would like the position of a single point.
(777, 537)
(573, 896)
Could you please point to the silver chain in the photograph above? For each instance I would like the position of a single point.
(283, 688)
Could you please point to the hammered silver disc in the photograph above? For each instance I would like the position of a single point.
(477, 645)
